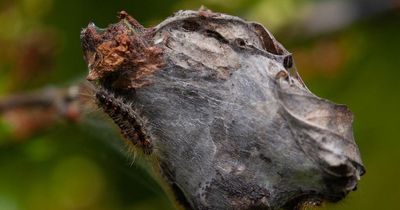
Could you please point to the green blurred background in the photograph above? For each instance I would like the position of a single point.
(346, 51)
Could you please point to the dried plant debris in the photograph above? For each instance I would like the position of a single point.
(218, 102)
(122, 51)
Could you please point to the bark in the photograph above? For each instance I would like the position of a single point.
(216, 100)
(32, 112)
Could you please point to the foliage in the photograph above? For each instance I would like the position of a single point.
(74, 167)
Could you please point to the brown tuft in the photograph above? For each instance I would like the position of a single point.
(108, 57)
(124, 49)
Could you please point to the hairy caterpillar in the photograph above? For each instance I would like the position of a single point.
(129, 122)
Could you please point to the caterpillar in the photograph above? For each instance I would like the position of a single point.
(123, 115)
